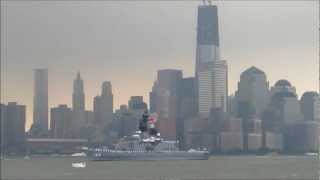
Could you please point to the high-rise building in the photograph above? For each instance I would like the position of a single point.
(136, 103)
(310, 106)
(230, 137)
(4, 132)
(103, 106)
(284, 107)
(211, 71)
(89, 117)
(40, 103)
(137, 106)
(78, 107)
(60, 122)
(127, 121)
(253, 89)
(166, 99)
(302, 137)
(188, 107)
(283, 86)
(152, 98)
(13, 119)
(283, 113)
(78, 98)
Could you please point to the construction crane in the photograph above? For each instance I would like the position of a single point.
(207, 2)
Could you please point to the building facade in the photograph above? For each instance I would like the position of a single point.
(78, 96)
(40, 100)
(13, 135)
(211, 71)
(253, 88)
(310, 106)
(61, 122)
(78, 108)
(167, 99)
(103, 105)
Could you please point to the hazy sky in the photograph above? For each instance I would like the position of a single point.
(127, 42)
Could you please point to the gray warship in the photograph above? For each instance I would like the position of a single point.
(145, 144)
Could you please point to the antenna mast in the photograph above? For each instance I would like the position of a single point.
(204, 2)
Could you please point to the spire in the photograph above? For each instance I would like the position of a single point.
(78, 75)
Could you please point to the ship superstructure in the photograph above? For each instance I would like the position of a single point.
(146, 144)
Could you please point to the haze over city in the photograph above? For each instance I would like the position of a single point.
(126, 43)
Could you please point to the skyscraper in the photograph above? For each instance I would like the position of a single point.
(310, 106)
(13, 119)
(166, 99)
(187, 107)
(78, 99)
(211, 71)
(103, 106)
(136, 102)
(137, 106)
(60, 122)
(40, 103)
(78, 107)
(253, 89)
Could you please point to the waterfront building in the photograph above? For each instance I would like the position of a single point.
(302, 137)
(231, 135)
(60, 122)
(13, 119)
(253, 129)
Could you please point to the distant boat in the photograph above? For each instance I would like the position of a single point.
(144, 145)
(79, 165)
(311, 154)
(26, 157)
(82, 154)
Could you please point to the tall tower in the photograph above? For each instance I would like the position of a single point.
(40, 99)
(78, 107)
(78, 99)
(211, 71)
(103, 106)
(166, 99)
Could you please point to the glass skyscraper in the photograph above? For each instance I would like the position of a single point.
(40, 99)
(211, 71)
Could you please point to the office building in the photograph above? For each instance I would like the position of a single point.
(103, 106)
(167, 99)
(253, 89)
(78, 108)
(40, 101)
(61, 122)
(211, 71)
(13, 135)
(310, 106)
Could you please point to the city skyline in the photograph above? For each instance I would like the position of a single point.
(183, 60)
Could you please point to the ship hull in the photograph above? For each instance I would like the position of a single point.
(149, 156)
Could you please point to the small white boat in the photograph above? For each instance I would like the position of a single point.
(26, 157)
(311, 154)
(79, 165)
(82, 154)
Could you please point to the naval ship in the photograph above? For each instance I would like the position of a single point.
(146, 144)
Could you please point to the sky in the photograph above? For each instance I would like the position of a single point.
(126, 42)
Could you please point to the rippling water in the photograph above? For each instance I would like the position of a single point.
(217, 167)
